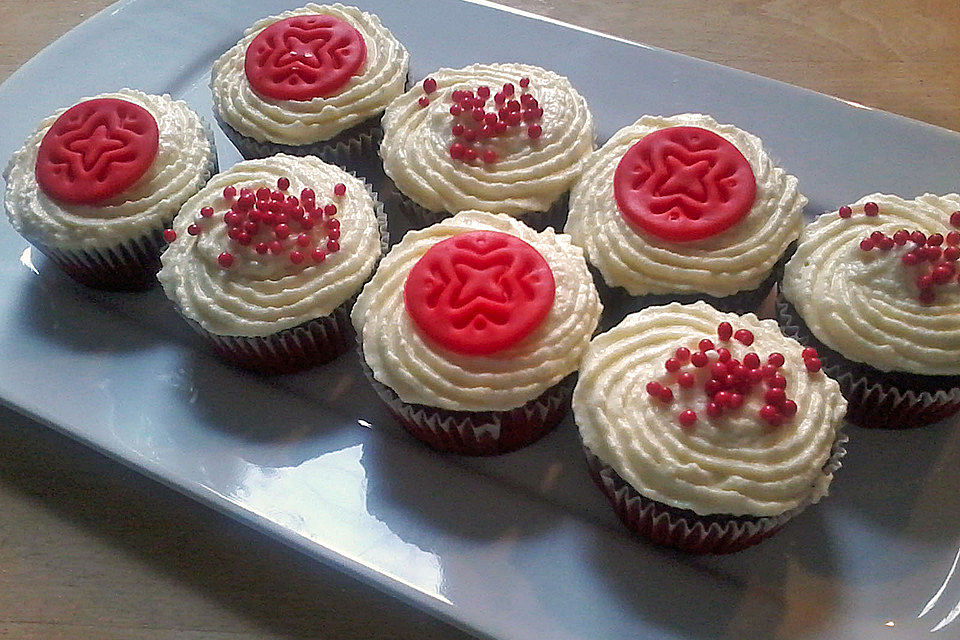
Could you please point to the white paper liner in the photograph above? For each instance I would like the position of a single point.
(873, 401)
(670, 526)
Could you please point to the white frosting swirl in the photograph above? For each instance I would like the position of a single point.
(184, 162)
(735, 464)
(736, 259)
(262, 295)
(529, 175)
(293, 122)
(866, 305)
(421, 372)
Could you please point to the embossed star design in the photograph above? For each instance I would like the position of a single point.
(299, 53)
(685, 180)
(93, 147)
(483, 282)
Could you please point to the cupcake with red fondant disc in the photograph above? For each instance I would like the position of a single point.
(266, 261)
(873, 287)
(504, 138)
(707, 431)
(94, 185)
(684, 208)
(472, 328)
(311, 81)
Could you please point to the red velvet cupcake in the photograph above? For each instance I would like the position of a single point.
(472, 328)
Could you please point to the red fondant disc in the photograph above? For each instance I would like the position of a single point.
(479, 292)
(683, 184)
(95, 150)
(304, 57)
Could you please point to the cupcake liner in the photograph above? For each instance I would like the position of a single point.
(618, 303)
(421, 217)
(127, 266)
(344, 149)
(877, 399)
(478, 433)
(685, 529)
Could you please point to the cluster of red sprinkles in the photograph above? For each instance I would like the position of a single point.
(475, 120)
(933, 258)
(273, 222)
(729, 381)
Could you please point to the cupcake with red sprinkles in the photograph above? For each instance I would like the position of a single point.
(266, 261)
(707, 431)
(95, 184)
(874, 289)
(310, 81)
(504, 138)
(471, 331)
(685, 208)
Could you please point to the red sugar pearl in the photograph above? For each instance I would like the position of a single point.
(845, 212)
(776, 359)
(953, 238)
(722, 398)
(935, 240)
(457, 151)
(244, 238)
(910, 258)
(283, 183)
(263, 194)
(705, 345)
(281, 231)
(751, 360)
(206, 212)
(534, 131)
(262, 248)
(725, 330)
(333, 246)
(951, 254)
(225, 260)
(276, 248)
(687, 418)
(886, 243)
(303, 240)
(339, 189)
(331, 210)
(723, 355)
(490, 156)
(714, 409)
(812, 364)
(955, 219)
(234, 233)
(654, 388)
(866, 244)
(777, 381)
(319, 255)
(932, 253)
(194, 229)
(229, 192)
(508, 89)
(296, 257)
(809, 352)
(770, 414)
(424, 101)
(699, 359)
(901, 237)
(871, 209)
(429, 85)
(918, 237)
(718, 370)
(307, 194)
(469, 155)
(686, 379)
(169, 235)
(682, 354)
(744, 337)
(524, 82)
(943, 273)
(333, 233)
(483, 91)
(672, 364)
(456, 110)
(788, 408)
(735, 401)
(775, 396)
(876, 236)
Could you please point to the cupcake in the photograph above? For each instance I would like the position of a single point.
(706, 431)
(312, 81)
(472, 329)
(95, 184)
(503, 138)
(683, 208)
(266, 260)
(873, 288)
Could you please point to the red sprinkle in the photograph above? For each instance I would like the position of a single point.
(845, 211)
(169, 235)
(206, 212)
(699, 359)
(686, 379)
(424, 101)
(429, 85)
(194, 229)
(724, 330)
(524, 82)
(866, 244)
(339, 189)
(225, 259)
(672, 364)
(812, 364)
(955, 219)
(283, 183)
(682, 354)
(534, 131)
(688, 418)
(776, 359)
(751, 360)
(705, 344)
(871, 209)
(744, 337)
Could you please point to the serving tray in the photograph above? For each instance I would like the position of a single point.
(520, 546)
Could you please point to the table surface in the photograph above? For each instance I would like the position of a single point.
(89, 549)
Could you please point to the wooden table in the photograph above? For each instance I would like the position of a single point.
(89, 549)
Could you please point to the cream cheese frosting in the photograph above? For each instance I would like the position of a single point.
(185, 160)
(734, 464)
(262, 295)
(529, 175)
(291, 122)
(866, 305)
(737, 259)
(421, 372)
